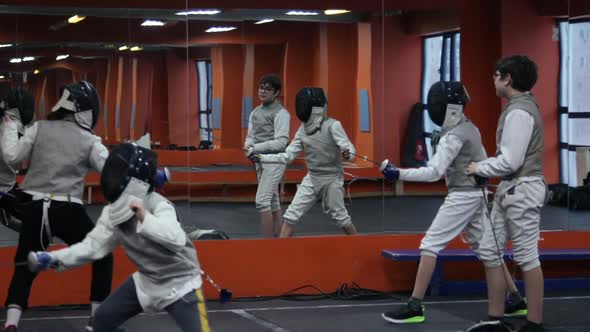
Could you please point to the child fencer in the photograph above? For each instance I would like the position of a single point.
(324, 143)
(61, 151)
(463, 208)
(268, 133)
(146, 225)
(520, 195)
(19, 105)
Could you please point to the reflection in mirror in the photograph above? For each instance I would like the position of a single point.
(430, 46)
(575, 41)
(334, 52)
(134, 62)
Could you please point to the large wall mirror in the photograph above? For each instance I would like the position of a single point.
(185, 81)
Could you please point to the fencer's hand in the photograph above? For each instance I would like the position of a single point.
(247, 149)
(138, 209)
(41, 260)
(472, 168)
(254, 157)
(346, 154)
(389, 170)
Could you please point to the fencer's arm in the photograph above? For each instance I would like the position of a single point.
(98, 243)
(518, 129)
(281, 137)
(341, 139)
(290, 153)
(98, 155)
(14, 149)
(447, 150)
(250, 136)
(162, 226)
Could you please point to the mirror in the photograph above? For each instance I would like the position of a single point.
(161, 73)
(575, 110)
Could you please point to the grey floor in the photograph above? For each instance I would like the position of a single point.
(563, 312)
(376, 215)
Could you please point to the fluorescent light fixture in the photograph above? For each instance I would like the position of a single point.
(200, 12)
(76, 19)
(152, 23)
(28, 58)
(136, 48)
(336, 11)
(266, 20)
(16, 60)
(37, 71)
(1, 77)
(220, 29)
(301, 13)
(123, 48)
(5, 45)
(61, 57)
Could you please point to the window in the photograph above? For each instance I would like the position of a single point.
(574, 100)
(205, 103)
(441, 62)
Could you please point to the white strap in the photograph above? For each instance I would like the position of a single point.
(45, 223)
(63, 102)
(60, 198)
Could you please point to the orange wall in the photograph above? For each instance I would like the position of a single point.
(270, 267)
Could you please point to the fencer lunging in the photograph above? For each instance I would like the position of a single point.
(146, 225)
(324, 143)
(463, 209)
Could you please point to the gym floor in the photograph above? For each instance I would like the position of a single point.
(564, 312)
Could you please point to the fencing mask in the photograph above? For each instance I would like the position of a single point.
(128, 174)
(310, 106)
(446, 97)
(81, 99)
(19, 104)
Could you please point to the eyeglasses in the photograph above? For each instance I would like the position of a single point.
(266, 88)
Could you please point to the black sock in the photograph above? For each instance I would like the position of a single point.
(415, 303)
(515, 297)
(534, 324)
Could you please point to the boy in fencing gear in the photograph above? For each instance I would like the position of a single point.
(463, 208)
(520, 195)
(18, 105)
(146, 225)
(61, 151)
(323, 141)
(268, 133)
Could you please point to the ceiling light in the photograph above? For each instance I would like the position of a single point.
(220, 29)
(5, 45)
(16, 60)
(28, 58)
(1, 77)
(136, 48)
(123, 48)
(152, 23)
(76, 19)
(336, 11)
(301, 13)
(200, 12)
(37, 71)
(61, 57)
(266, 20)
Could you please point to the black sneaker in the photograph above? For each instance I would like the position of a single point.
(405, 315)
(9, 328)
(90, 326)
(517, 309)
(531, 327)
(490, 326)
